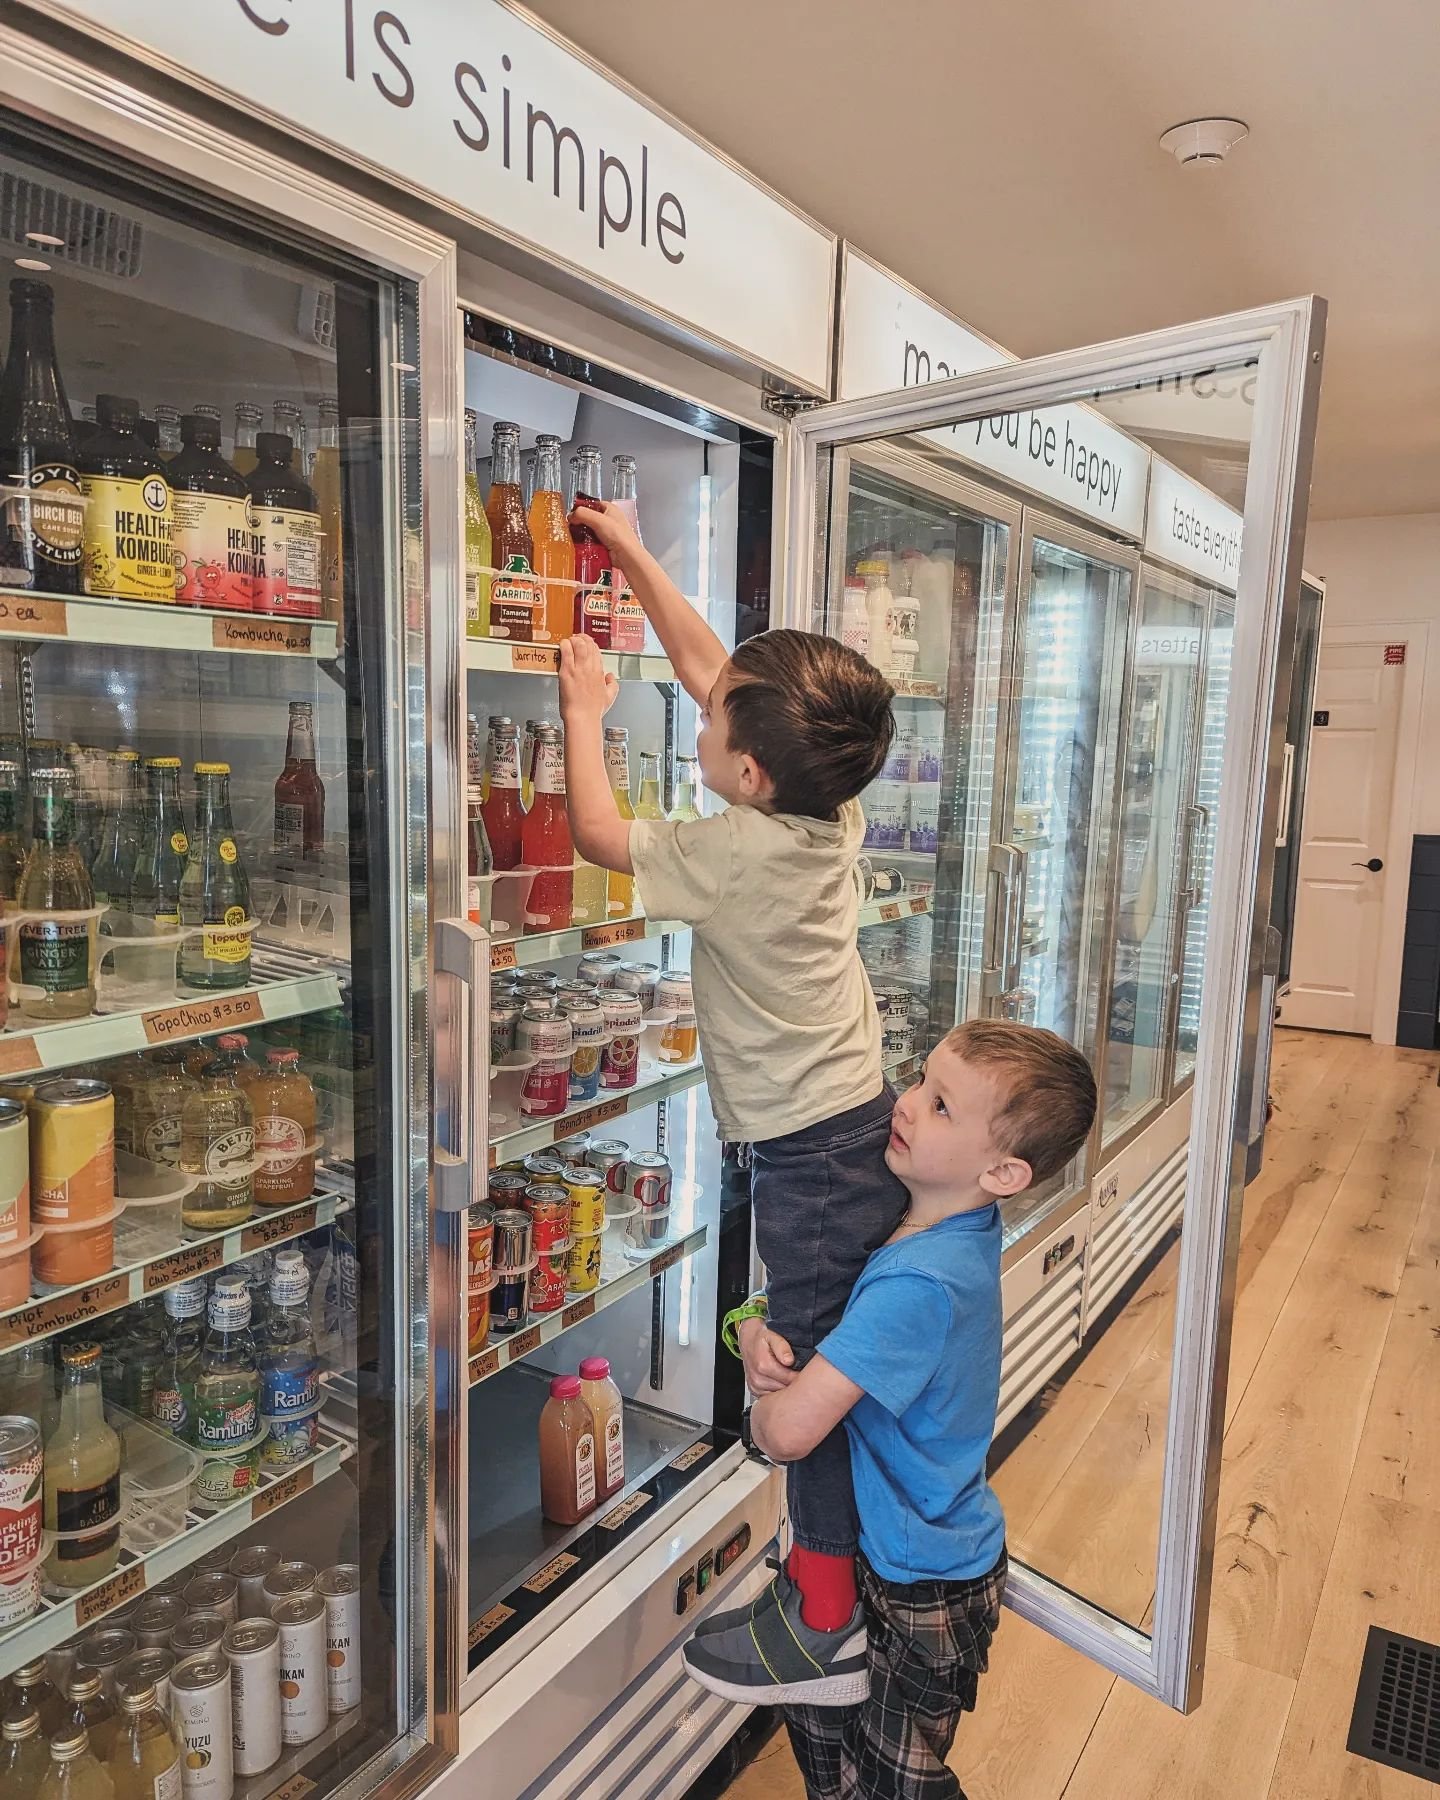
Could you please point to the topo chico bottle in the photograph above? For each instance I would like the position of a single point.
(215, 890)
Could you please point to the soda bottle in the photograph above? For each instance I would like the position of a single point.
(687, 789)
(82, 1477)
(114, 865)
(503, 813)
(475, 753)
(326, 482)
(32, 1691)
(572, 484)
(480, 861)
(217, 1145)
(167, 430)
(527, 488)
(57, 949)
(90, 1710)
(227, 1397)
(554, 552)
(248, 419)
(74, 1773)
(256, 1270)
(299, 792)
(621, 888)
(650, 804)
(42, 508)
(515, 606)
(129, 513)
(145, 1759)
(527, 765)
(545, 838)
(477, 538)
(24, 1753)
(627, 623)
(290, 1394)
(214, 890)
(595, 592)
(234, 1046)
(143, 1353)
(215, 553)
(159, 1105)
(172, 1399)
(284, 1103)
(12, 842)
(161, 847)
(286, 514)
(288, 420)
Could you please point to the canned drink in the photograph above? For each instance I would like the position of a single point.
(22, 1463)
(14, 1182)
(304, 1701)
(510, 1294)
(585, 1189)
(582, 1268)
(598, 967)
(213, 1562)
(680, 1040)
(542, 1165)
(197, 1634)
(215, 1591)
(252, 1648)
(288, 1581)
(587, 1028)
(149, 1667)
(72, 1180)
(575, 993)
(647, 1183)
(549, 1208)
(200, 1706)
(545, 1035)
(339, 1588)
(607, 1157)
(537, 982)
(639, 979)
(897, 1036)
(155, 1620)
(504, 1017)
(20, 1597)
(674, 992)
(102, 1652)
(250, 1566)
(548, 1278)
(621, 1064)
(571, 1150)
(481, 1235)
(507, 1189)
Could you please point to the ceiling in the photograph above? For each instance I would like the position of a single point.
(1004, 160)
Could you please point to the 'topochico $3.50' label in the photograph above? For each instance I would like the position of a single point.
(129, 538)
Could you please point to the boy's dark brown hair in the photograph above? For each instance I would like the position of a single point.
(1049, 1087)
(815, 716)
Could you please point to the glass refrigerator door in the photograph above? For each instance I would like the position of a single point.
(214, 1466)
(1200, 836)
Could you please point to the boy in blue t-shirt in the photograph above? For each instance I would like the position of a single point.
(913, 1370)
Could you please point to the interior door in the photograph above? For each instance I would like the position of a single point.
(1123, 1571)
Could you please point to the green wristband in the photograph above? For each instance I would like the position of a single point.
(756, 1307)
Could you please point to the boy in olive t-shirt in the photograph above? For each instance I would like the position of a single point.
(793, 726)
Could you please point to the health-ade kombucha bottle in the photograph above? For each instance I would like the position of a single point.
(595, 593)
(215, 559)
(248, 418)
(545, 842)
(554, 552)
(287, 513)
(478, 561)
(129, 511)
(621, 898)
(516, 611)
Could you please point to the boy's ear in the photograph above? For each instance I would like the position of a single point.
(1008, 1177)
(755, 784)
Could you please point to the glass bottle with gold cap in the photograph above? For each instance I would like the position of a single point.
(114, 863)
(74, 1774)
(90, 1710)
(160, 851)
(57, 941)
(215, 890)
(145, 1759)
(24, 1754)
(82, 1477)
(12, 835)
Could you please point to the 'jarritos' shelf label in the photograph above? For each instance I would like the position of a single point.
(129, 538)
(197, 1018)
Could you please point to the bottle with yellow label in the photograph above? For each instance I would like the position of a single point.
(215, 891)
(129, 510)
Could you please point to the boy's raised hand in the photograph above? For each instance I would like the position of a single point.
(586, 690)
(610, 525)
(769, 1360)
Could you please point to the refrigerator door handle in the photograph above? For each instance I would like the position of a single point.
(462, 950)
(1020, 883)
(995, 976)
(1287, 791)
(1194, 881)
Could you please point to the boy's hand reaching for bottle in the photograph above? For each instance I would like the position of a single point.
(769, 1360)
(610, 525)
(587, 692)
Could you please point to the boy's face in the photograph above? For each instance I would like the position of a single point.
(941, 1138)
(736, 777)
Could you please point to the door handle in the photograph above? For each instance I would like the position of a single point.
(1374, 865)
(461, 1168)
(1022, 882)
(1003, 864)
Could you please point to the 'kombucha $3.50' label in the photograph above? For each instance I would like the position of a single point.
(218, 555)
(288, 579)
(129, 538)
(55, 955)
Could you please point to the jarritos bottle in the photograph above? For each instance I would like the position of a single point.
(477, 538)
(57, 940)
(554, 552)
(42, 509)
(595, 592)
(627, 624)
(621, 888)
(284, 510)
(215, 548)
(502, 809)
(129, 513)
(515, 605)
(545, 842)
(215, 890)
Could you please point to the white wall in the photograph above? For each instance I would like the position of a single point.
(1383, 575)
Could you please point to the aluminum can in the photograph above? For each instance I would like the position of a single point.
(200, 1706)
(608, 1157)
(20, 1598)
(546, 1036)
(897, 1035)
(22, 1462)
(250, 1566)
(339, 1588)
(215, 1591)
(587, 1028)
(598, 967)
(507, 1188)
(504, 1019)
(14, 1181)
(621, 1064)
(72, 1180)
(582, 1265)
(647, 1183)
(637, 979)
(510, 1295)
(548, 1205)
(542, 1165)
(102, 1652)
(304, 1705)
(674, 992)
(481, 1235)
(585, 1190)
(155, 1619)
(252, 1648)
(289, 1581)
(548, 1278)
(214, 1562)
(571, 1149)
(147, 1667)
(197, 1634)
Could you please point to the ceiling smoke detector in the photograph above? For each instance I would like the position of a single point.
(1203, 143)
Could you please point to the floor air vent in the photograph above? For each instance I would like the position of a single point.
(91, 237)
(1396, 1720)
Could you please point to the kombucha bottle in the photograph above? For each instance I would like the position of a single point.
(247, 425)
(325, 483)
(554, 552)
(567, 1454)
(621, 888)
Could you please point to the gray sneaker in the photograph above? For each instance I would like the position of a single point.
(766, 1655)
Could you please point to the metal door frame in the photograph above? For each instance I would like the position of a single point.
(1284, 342)
(151, 132)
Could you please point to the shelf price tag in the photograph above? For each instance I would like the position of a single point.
(575, 1123)
(534, 659)
(502, 956)
(602, 937)
(667, 1259)
(296, 1788)
(22, 617)
(64, 1311)
(627, 1509)
(577, 1311)
(17, 1054)
(110, 1594)
(484, 1365)
(687, 1459)
(551, 1573)
(184, 1265)
(490, 1622)
(283, 1492)
(198, 1018)
(284, 1225)
(523, 1343)
(919, 903)
(890, 911)
(282, 637)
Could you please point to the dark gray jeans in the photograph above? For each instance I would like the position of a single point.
(824, 1201)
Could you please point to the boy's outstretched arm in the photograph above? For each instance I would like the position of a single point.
(788, 1424)
(695, 653)
(601, 836)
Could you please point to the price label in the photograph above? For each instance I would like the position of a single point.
(603, 937)
(578, 1310)
(890, 911)
(288, 1488)
(551, 1573)
(59, 1314)
(281, 637)
(110, 1594)
(502, 956)
(575, 1123)
(523, 1343)
(687, 1459)
(183, 1265)
(273, 1231)
(627, 1509)
(296, 1788)
(919, 903)
(490, 1622)
(198, 1018)
(22, 617)
(534, 659)
(483, 1365)
(17, 1054)
(667, 1259)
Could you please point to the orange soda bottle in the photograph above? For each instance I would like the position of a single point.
(515, 605)
(554, 549)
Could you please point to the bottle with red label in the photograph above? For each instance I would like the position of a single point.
(503, 811)
(215, 562)
(516, 610)
(627, 625)
(300, 793)
(545, 842)
(286, 518)
(594, 596)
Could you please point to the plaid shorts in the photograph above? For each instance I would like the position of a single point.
(929, 1644)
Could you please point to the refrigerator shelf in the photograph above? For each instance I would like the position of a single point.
(103, 1035)
(205, 1529)
(916, 687)
(143, 1277)
(545, 1132)
(904, 1068)
(624, 1278)
(890, 912)
(497, 657)
(135, 625)
(550, 946)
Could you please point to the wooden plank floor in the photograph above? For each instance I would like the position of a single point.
(1329, 1511)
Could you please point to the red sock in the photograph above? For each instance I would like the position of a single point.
(827, 1587)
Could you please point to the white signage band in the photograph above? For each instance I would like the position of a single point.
(469, 102)
(1189, 526)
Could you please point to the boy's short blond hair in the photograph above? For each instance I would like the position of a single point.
(1049, 1087)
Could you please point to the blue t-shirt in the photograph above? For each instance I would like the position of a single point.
(921, 1335)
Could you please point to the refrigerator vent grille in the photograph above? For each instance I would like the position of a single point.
(94, 237)
(317, 315)
(1396, 1720)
